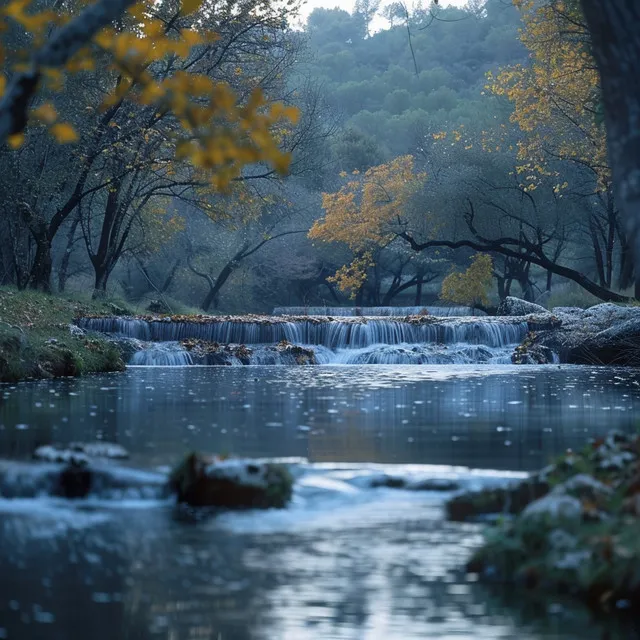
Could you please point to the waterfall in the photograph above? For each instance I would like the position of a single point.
(440, 312)
(252, 340)
(162, 354)
(336, 334)
(422, 354)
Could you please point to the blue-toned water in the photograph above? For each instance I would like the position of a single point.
(344, 561)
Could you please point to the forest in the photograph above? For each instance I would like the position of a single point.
(411, 155)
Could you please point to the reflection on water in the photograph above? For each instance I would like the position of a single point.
(344, 561)
(493, 417)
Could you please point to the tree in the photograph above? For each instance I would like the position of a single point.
(557, 106)
(367, 10)
(470, 288)
(615, 27)
(162, 65)
(362, 212)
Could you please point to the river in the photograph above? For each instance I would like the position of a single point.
(344, 560)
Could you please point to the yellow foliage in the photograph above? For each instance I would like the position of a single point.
(351, 277)
(556, 96)
(64, 133)
(471, 287)
(361, 213)
(218, 134)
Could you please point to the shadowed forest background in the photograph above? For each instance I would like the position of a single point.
(451, 141)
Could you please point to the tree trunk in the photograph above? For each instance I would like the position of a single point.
(101, 279)
(418, 300)
(63, 272)
(615, 33)
(40, 276)
(172, 274)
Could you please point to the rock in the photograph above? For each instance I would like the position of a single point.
(511, 306)
(584, 486)
(434, 484)
(511, 500)
(389, 482)
(427, 484)
(80, 453)
(603, 334)
(555, 507)
(74, 482)
(208, 481)
(531, 353)
(76, 332)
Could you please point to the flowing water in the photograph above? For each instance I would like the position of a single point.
(347, 340)
(345, 560)
(377, 311)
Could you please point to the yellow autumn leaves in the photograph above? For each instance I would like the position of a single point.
(362, 213)
(555, 97)
(472, 286)
(218, 133)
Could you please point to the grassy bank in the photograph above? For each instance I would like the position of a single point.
(36, 340)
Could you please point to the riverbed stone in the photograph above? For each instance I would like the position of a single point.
(210, 481)
(583, 538)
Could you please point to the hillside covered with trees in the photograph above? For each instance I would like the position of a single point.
(386, 149)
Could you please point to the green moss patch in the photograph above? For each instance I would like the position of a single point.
(36, 340)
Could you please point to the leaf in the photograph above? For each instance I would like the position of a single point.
(46, 113)
(190, 6)
(16, 140)
(64, 133)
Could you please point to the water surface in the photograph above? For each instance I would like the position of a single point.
(344, 561)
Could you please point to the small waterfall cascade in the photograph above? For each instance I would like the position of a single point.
(270, 340)
(379, 312)
(162, 354)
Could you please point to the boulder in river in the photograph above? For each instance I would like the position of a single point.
(512, 306)
(607, 334)
(210, 481)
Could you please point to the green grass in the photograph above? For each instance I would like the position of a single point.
(35, 341)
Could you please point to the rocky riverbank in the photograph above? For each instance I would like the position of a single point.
(573, 528)
(607, 334)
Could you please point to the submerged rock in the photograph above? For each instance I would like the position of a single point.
(209, 481)
(497, 500)
(80, 452)
(426, 484)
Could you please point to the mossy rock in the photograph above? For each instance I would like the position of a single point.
(581, 538)
(496, 500)
(208, 481)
